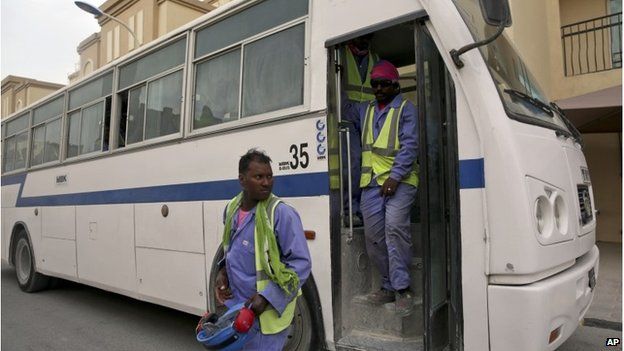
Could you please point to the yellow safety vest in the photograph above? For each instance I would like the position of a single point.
(270, 321)
(355, 89)
(378, 155)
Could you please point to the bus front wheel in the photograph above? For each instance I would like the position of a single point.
(27, 277)
(300, 331)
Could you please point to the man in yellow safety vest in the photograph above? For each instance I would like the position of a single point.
(266, 255)
(389, 179)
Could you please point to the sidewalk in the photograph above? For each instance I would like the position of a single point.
(607, 304)
(604, 318)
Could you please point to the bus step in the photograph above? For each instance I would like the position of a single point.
(383, 319)
(358, 340)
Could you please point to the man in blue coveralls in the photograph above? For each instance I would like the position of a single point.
(256, 221)
(389, 131)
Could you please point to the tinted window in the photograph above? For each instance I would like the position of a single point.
(165, 58)
(17, 125)
(247, 23)
(21, 150)
(38, 145)
(136, 115)
(9, 154)
(74, 134)
(163, 106)
(217, 86)
(52, 141)
(91, 91)
(273, 72)
(50, 110)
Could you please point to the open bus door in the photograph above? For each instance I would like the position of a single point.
(439, 198)
(435, 323)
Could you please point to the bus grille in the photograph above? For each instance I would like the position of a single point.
(587, 214)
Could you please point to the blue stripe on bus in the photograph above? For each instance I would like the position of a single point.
(14, 179)
(311, 184)
(471, 174)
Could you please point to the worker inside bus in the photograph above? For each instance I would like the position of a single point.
(357, 60)
(388, 127)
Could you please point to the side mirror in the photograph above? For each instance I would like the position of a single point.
(496, 12)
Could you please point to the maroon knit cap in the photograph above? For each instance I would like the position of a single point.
(385, 70)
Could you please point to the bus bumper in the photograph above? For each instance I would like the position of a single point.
(542, 315)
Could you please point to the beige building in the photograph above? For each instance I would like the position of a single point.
(149, 19)
(19, 92)
(574, 48)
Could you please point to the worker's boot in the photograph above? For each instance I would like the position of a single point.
(380, 297)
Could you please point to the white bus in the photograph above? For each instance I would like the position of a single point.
(119, 181)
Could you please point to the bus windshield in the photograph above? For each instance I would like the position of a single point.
(522, 97)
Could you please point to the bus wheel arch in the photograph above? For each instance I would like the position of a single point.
(308, 311)
(21, 255)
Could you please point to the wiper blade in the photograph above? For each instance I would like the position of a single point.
(576, 134)
(533, 101)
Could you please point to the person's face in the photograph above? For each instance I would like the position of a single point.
(384, 89)
(361, 43)
(257, 181)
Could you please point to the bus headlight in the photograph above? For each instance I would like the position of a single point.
(561, 215)
(543, 216)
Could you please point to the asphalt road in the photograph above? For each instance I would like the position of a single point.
(77, 317)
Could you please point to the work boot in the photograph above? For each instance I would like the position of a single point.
(404, 304)
(357, 222)
(380, 297)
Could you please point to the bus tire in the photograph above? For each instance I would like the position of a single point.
(300, 332)
(27, 277)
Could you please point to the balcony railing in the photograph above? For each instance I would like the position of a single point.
(592, 46)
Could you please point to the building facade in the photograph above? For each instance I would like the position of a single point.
(574, 48)
(148, 19)
(19, 92)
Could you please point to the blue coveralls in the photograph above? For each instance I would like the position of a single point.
(387, 220)
(241, 268)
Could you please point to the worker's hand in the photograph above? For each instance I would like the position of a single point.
(389, 187)
(222, 287)
(258, 303)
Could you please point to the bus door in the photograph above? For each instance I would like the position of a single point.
(439, 198)
(358, 323)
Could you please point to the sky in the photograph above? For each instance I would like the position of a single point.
(38, 38)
